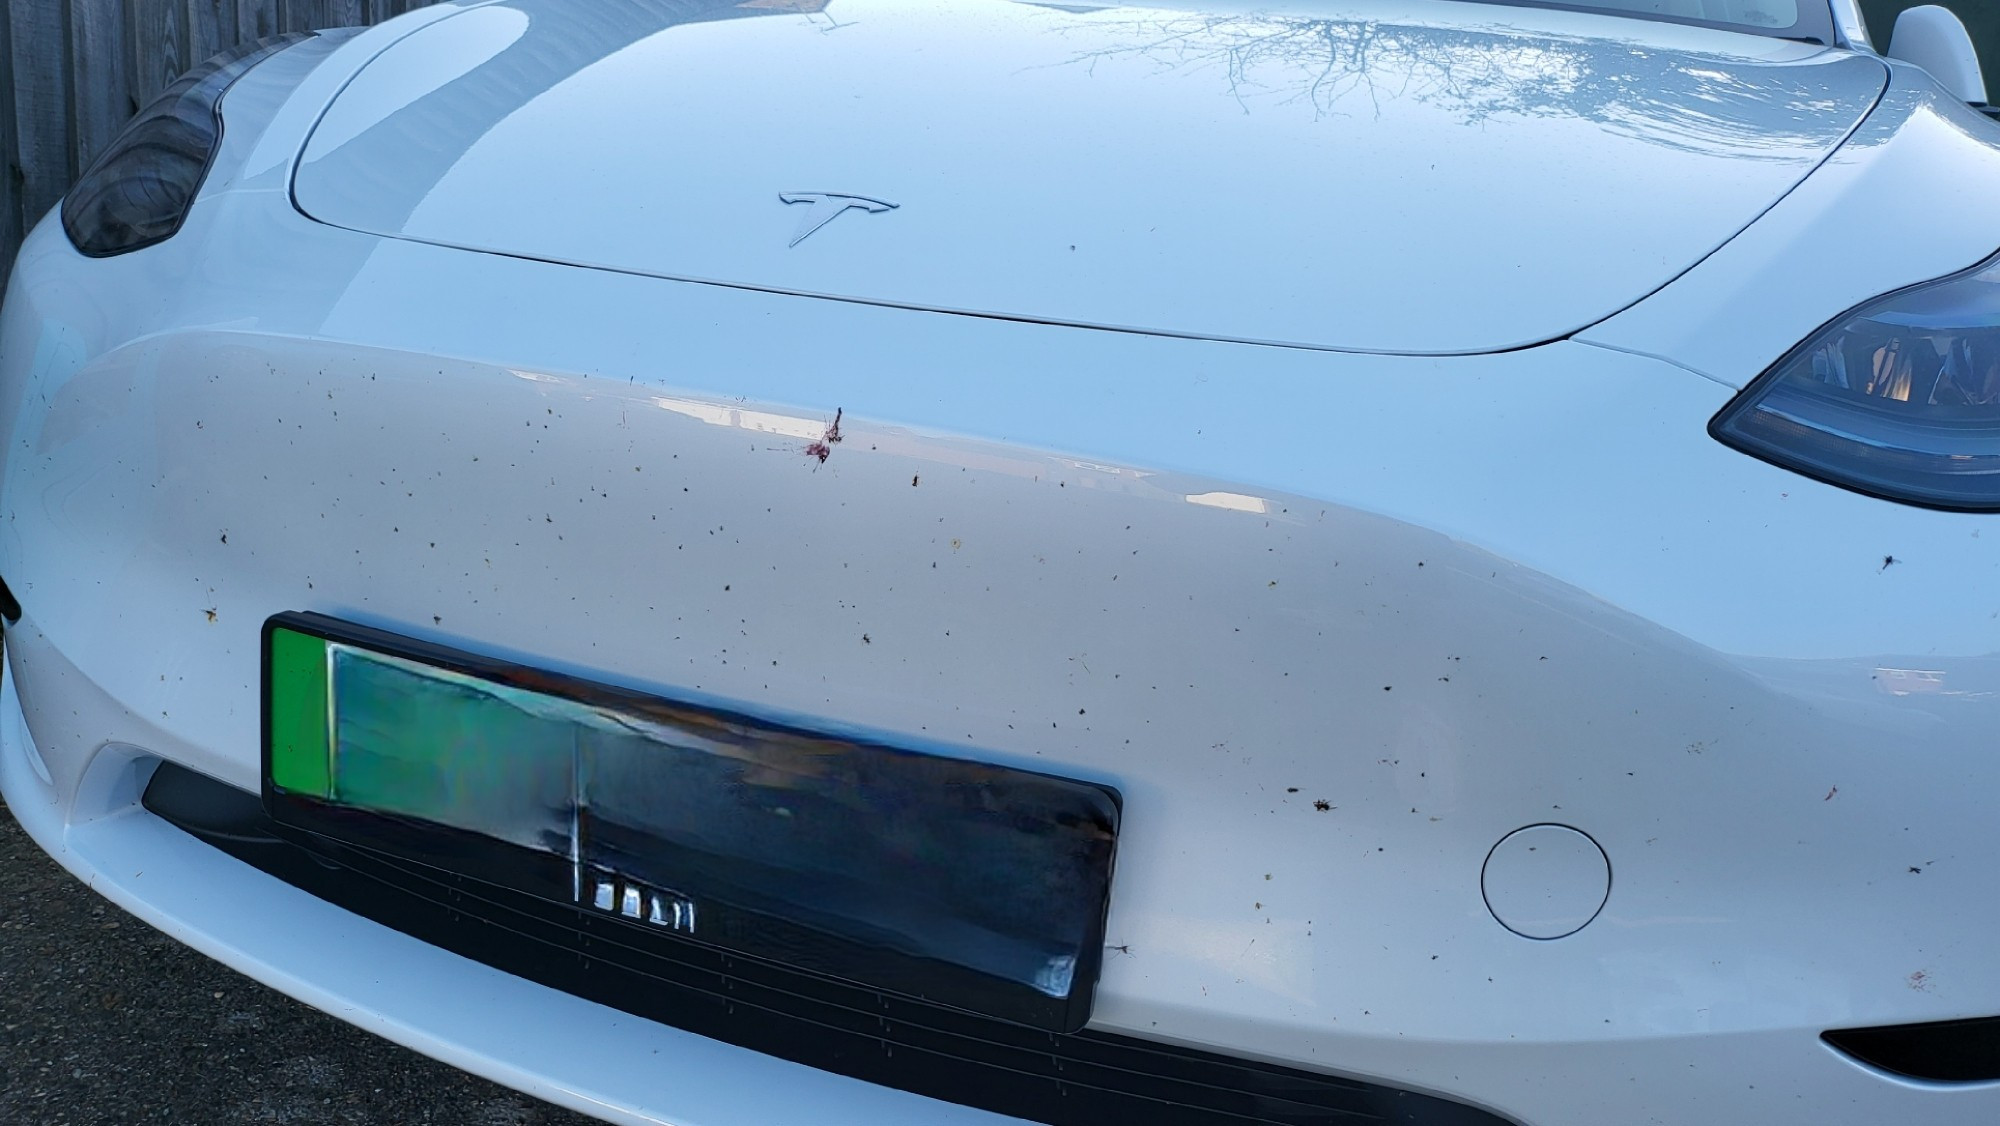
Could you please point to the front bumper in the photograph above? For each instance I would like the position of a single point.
(1447, 597)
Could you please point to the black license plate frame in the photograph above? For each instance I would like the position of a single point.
(936, 877)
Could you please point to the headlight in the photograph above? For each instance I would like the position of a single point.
(1898, 399)
(138, 191)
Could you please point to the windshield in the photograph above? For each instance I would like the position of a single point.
(1786, 19)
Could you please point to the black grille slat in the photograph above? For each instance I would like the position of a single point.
(1087, 1077)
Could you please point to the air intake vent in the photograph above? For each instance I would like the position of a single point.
(1945, 1051)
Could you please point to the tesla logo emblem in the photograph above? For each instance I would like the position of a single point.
(826, 207)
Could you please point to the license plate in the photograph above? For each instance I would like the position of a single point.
(953, 881)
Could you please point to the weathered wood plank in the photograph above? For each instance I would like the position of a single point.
(379, 10)
(256, 19)
(211, 26)
(10, 168)
(310, 15)
(158, 45)
(101, 100)
(345, 13)
(41, 105)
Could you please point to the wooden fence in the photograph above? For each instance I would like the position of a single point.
(72, 72)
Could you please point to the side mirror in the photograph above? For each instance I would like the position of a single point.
(1932, 38)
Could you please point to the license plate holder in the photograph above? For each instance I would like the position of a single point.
(967, 884)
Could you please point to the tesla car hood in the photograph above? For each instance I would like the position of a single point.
(1412, 176)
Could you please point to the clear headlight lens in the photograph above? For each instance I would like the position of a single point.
(1898, 399)
(138, 191)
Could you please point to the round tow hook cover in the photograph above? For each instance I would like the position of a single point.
(1545, 881)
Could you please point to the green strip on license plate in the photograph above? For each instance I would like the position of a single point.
(301, 746)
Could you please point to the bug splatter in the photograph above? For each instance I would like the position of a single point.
(823, 448)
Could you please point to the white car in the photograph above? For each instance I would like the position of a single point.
(880, 563)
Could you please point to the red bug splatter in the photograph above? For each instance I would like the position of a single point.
(823, 448)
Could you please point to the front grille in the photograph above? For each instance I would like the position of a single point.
(1081, 1079)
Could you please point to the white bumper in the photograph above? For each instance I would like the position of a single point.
(1448, 597)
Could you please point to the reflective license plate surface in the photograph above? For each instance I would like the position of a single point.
(962, 883)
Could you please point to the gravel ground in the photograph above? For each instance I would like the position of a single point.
(103, 1019)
